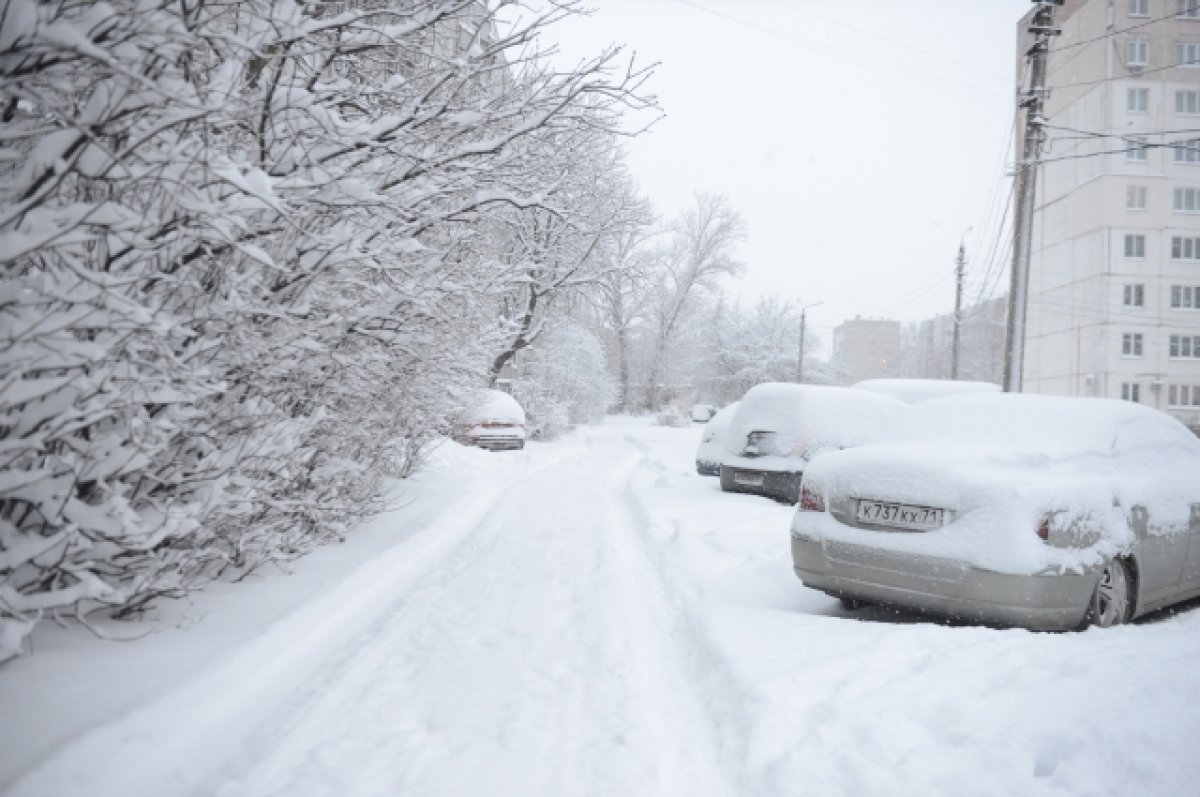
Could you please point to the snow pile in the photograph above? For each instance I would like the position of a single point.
(803, 421)
(1001, 463)
(913, 390)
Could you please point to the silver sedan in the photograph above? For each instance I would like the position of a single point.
(1047, 513)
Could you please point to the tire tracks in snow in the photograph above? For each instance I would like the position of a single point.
(173, 746)
(701, 660)
(545, 657)
(709, 730)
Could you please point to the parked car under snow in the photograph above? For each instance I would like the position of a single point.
(708, 453)
(1034, 511)
(494, 420)
(778, 428)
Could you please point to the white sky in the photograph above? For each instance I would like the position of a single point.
(860, 140)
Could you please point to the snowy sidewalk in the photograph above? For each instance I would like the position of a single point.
(81, 711)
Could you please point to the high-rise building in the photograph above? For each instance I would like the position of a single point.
(1114, 283)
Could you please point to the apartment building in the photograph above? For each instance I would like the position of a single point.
(867, 348)
(1114, 299)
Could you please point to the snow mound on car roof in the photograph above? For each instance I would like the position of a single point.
(1053, 425)
(1000, 463)
(494, 406)
(809, 418)
(914, 390)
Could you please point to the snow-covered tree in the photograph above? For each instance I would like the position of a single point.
(743, 347)
(245, 273)
(700, 253)
(563, 380)
(567, 245)
(623, 298)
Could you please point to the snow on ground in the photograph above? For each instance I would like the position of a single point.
(590, 617)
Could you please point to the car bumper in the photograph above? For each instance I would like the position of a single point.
(780, 485)
(944, 587)
(508, 443)
(707, 468)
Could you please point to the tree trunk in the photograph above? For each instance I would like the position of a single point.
(522, 339)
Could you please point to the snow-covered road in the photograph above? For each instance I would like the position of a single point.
(541, 656)
(593, 618)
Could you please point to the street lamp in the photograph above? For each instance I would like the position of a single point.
(800, 358)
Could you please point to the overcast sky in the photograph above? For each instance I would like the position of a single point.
(860, 140)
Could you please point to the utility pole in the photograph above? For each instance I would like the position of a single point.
(959, 271)
(800, 357)
(1042, 27)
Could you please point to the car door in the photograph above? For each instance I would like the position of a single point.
(1190, 581)
(1155, 459)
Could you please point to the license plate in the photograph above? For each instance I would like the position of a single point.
(901, 516)
(748, 479)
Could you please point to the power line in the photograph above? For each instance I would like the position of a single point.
(893, 42)
(1138, 73)
(1085, 134)
(1112, 33)
(971, 94)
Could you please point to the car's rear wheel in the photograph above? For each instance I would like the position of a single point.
(851, 604)
(1112, 603)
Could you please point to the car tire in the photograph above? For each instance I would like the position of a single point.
(851, 604)
(1112, 602)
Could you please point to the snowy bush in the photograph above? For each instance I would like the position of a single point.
(564, 381)
(244, 271)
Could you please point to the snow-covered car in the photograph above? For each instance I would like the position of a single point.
(911, 391)
(703, 413)
(1035, 511)
(779, 428)
(708, 453)
(671, 416)
(494, 420)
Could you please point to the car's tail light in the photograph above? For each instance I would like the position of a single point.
(811, 500)
(1043, 527)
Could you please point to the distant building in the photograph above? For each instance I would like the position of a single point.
(867, 348)
(980, 345)
(1114, 284)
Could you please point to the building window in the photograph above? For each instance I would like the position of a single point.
(1137, 52)
(1134, 296)
(1139, 8)
(1135, 197)
(1183, 395)
(1185, 297)
(1187, 200)
(1135, 246)
(1187, 151)
(1131, 391)
(1187, 54)
(1187, 103)
(1135, 148)
(1185, 248)
(1137, 100)
(1185, 347)
(1131, 344)
(1189, 9)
